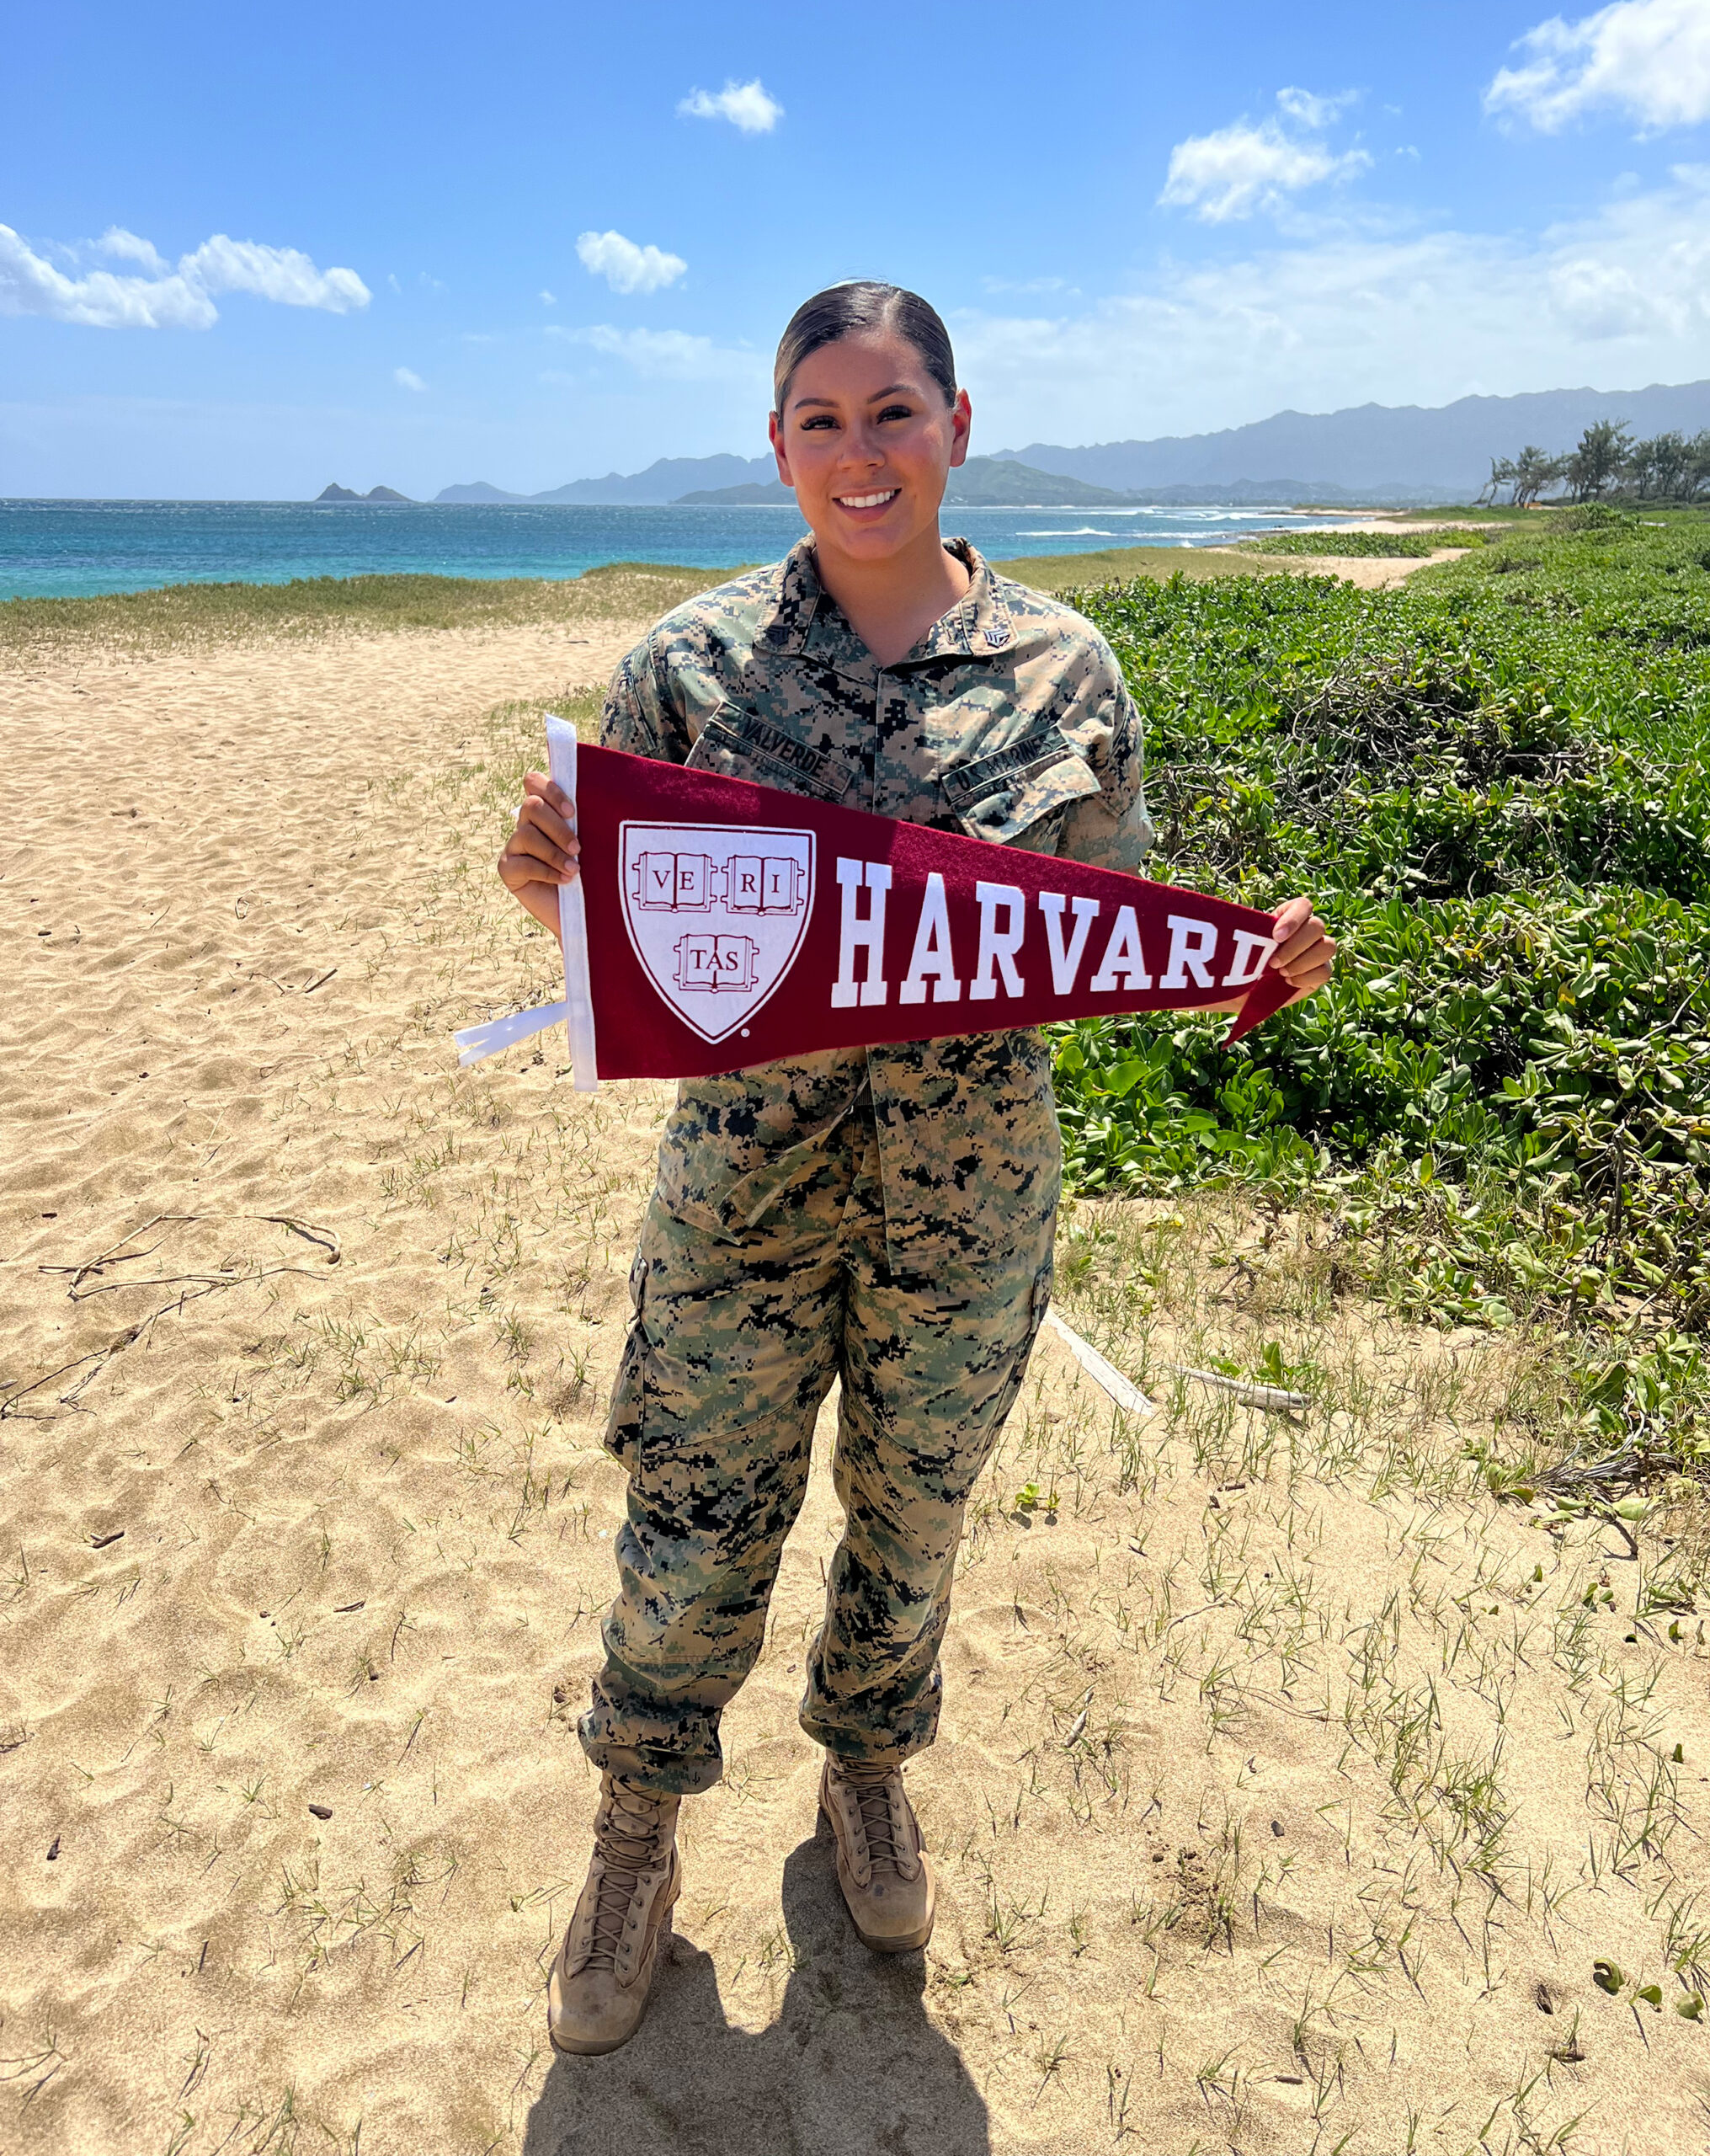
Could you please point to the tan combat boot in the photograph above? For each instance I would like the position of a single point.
(883, 1871)
(598, 1988)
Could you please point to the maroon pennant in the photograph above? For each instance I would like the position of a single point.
(730, 924)
(717, 924)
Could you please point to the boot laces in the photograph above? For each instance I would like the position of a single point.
(632, 1839)
(872, 1793)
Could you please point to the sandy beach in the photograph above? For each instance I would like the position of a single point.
(1289, 1790)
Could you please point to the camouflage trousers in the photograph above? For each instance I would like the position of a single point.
(735, 1343)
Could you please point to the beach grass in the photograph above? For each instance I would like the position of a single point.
(1417, 546)
(1121, 565)
(312, 606)
(308, 606)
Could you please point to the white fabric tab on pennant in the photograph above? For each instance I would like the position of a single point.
(475, 1044)
(572, 924)
(575, 1012)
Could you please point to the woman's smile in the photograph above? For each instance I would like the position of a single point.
(869, 502)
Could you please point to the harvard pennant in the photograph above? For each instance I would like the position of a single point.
(729, 924)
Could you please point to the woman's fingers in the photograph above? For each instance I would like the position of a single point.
(537, 787)
(530, 858)
(539, 813)
(1306, 952)
(547, 833)
(543, 848)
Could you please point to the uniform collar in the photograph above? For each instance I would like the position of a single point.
(977, 627)
(980, 626)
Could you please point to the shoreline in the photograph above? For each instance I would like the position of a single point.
(107, 549)
(382, 601)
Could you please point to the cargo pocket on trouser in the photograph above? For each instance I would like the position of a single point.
(624, 1423)
(1039, 1303)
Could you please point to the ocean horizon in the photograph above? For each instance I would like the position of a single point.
(65, 549)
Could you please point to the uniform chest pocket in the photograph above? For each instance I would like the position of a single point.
(1021, 793)
(737, 744)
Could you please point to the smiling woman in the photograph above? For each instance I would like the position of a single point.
(880, 1217)
(866, 423)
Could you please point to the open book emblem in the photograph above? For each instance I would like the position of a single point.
(715, 912)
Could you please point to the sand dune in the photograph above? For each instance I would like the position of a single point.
(1288, 1789)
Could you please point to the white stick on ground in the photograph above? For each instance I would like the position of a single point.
(1246, 1394)
(1126, 1395)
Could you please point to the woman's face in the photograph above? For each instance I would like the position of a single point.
(866, 440)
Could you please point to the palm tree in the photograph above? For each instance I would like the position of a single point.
(1502, 474)
(1661, 467)
(1603, 451)
(1532, 471)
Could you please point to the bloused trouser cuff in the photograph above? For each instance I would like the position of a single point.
(735, 1344)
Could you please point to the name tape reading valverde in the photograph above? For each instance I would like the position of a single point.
(716, 923)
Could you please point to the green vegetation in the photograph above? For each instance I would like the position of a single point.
(1609, 464)
(1492, 779)
(1349, 545)
(311, 606)
(220, 613)
(1119, 564)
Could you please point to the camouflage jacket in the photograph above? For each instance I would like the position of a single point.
(1010, 721)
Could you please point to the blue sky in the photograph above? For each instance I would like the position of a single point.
(347, 237)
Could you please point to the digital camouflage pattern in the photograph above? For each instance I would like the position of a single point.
(883, 1215)
(736, 1343)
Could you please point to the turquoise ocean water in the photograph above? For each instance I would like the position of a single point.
(68, 549)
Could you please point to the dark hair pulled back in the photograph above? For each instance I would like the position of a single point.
(861, 308)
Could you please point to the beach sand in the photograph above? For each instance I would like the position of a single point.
(1288, 1788)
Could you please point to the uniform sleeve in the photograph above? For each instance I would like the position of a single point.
(638, 715)
(1110, 829)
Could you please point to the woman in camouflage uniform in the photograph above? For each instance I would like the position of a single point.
(880, 1217)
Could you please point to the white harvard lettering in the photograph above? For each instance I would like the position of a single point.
(857, 933)
(1251, 955)
(932, 952)
(997, 946)
(1066, 964)
(1193, 944)
(1123, 956)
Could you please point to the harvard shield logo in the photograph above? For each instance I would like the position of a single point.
(716, 914)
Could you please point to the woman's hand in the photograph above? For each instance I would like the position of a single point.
(1305, 954)
(540, 853)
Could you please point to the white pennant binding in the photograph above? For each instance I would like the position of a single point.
(476, 1042)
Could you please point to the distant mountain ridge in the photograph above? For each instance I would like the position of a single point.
(1375, 453)
(983, 482)
(1372, 451)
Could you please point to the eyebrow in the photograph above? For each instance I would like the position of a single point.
(896, 388)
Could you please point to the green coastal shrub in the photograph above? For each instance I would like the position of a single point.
(1493, 780)
(1398, 546)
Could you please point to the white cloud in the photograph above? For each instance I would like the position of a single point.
(272, 273)
(549, 299)
(667, 355)
(127, 247)
(625, 267)
(407, 378)
(1242, 168)
(1618, 299)
(1649, 59)
(746, 105)
(1315, 112)
(167, 298)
